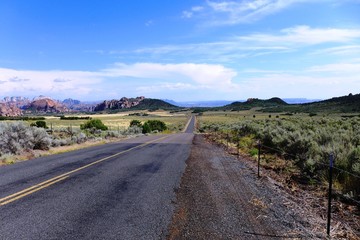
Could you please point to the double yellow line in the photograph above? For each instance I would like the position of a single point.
(47, 183)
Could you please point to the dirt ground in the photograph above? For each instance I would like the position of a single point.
(221, 197)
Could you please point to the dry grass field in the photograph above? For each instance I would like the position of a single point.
(120, 121)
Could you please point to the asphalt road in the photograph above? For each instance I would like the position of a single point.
(121, 190)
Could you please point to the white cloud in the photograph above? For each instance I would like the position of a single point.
(306, 35)
(209, 75)
(179, 86)
(340, 50)
(29, 82)
(231, 12)
(234, 12)
(259, 44)
(190, 13)
(347, 68)
(298, 85)
(149, 77)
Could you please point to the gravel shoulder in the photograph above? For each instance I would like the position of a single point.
(221, 197)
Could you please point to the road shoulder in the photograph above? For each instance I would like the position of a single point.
(220, 197)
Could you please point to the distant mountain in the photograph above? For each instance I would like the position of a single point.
(300, 100)
(9, 110)
(154, 104)
(172, 102)
(254, 102)
(44, 104)
(215, 103)
(18, 101)
(139, 103)
(78, 106)
(123, 103)
(344, 104)
(71, 102)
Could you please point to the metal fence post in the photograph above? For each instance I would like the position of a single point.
(259, 147)
(330, 193)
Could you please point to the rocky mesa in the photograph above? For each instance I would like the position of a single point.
(46, 105)
(118, 104)
(9, 110)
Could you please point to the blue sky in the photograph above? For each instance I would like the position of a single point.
(183, 50)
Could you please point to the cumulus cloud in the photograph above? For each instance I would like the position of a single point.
(47, 82)
(150, 77)
(286, 85)
(210, 75)
(61, 80)
(17, 79)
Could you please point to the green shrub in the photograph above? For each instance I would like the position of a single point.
(135, 123)
(39, 124)
(94, 124)
(154, 125)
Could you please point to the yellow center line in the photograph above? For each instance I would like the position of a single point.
(63, 176)
(35, 190)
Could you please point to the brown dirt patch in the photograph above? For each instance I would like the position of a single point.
(221, 197)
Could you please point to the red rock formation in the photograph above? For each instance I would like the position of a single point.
(47, 105)
(119, 104)
(9, 110)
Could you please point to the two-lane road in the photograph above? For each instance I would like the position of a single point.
(120, 190)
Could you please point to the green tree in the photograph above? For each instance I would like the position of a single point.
(154, 125)
(135, 123)
(94, 123)
(39, 124)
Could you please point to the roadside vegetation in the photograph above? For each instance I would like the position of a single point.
(21, 140)
(299, 145)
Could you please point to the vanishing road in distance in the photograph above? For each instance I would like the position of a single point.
(122, 190)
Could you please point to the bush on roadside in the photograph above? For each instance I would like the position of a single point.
(154, 125)
(17, 137)
(135, 123)
(94, 124)
(39, 124)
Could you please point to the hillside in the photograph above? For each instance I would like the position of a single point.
(254, 103)
(343, 104)
(139, 103)
(154, 104)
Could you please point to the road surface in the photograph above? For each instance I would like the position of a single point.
(121, 190)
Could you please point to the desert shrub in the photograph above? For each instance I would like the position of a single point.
(60, 142)
(40, 139)
(154, 125)
(17, 137)
(135, 123)
(307, 142)
(79, 138)
(135, 130)
(94, 124)
(112, 134)
(39, 124)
